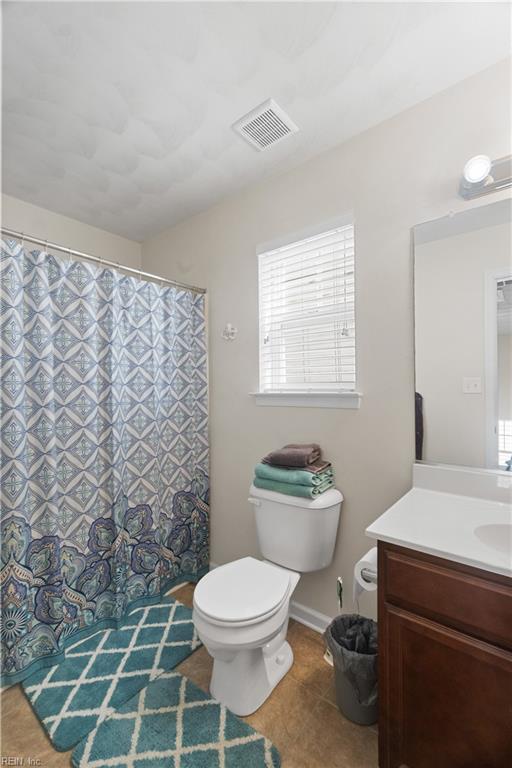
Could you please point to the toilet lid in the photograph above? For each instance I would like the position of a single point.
(242, 590)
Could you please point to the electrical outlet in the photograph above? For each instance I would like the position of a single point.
(472, 385)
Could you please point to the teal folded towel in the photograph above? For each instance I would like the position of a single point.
(306, 491)
(293, 476)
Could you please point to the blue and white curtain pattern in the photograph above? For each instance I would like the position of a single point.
(104, 449)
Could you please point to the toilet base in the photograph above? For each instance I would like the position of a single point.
(243, 682)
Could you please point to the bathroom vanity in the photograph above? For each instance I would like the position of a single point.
(445, 548)
(445, 632)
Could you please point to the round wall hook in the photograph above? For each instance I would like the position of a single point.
(229, 333)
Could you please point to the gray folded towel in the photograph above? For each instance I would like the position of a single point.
(294, 455)
(319, 466)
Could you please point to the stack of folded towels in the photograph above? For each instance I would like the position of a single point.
(295, 469)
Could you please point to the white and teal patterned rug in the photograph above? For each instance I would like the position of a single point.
(102, 672)
(173, 724)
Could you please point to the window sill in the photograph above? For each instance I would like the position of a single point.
(309, 399)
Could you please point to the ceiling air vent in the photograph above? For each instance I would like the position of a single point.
(265, 125)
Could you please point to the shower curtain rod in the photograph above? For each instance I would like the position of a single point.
(138, 272)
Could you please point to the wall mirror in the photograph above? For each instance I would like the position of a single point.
(463, 338)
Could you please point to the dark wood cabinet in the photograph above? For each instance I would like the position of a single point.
(445, 663)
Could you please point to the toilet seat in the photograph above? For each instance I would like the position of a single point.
(243, 592)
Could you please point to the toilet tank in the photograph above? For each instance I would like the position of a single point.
(297, 533)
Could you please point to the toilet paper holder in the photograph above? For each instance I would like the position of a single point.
(369, 576)
(365, 576)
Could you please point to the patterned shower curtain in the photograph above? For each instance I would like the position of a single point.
(104, 449)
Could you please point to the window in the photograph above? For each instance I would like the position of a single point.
(307, 322)
(504, 442)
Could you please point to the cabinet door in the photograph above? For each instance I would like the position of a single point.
(447, 697)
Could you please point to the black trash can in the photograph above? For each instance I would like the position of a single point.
(352, 640)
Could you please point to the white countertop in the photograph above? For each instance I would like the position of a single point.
(466, 530)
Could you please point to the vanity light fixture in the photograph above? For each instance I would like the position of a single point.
(477, 169)
(481, 176)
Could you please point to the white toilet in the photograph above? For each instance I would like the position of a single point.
(241, 608)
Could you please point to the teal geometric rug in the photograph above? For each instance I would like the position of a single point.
(173, 724)
(102, 672)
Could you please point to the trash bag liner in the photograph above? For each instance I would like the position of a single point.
(352, 640)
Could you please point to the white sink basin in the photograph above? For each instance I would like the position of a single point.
(498, 536)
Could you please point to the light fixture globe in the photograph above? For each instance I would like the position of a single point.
(477, 169)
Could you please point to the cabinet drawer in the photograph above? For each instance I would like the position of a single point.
(454, 595)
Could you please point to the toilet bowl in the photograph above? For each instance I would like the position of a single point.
(241, 609)
(241, 615)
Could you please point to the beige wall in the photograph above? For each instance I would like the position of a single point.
(450, 285)
(393, 176)
(62, 230)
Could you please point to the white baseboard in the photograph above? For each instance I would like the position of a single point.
(304, 615)
(309, 617)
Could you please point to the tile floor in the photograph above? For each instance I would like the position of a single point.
(300, 716)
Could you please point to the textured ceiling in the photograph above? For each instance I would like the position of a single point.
(119, 114)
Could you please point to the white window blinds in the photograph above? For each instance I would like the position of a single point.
(307, 327)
